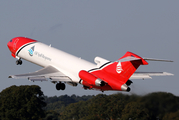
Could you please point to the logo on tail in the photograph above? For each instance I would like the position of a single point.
(119, 68)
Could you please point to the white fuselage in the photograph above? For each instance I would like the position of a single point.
(44, 56)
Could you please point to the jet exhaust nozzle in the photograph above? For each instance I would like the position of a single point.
(124, 87)
(99, 82)
(128, 89)
(129, 82)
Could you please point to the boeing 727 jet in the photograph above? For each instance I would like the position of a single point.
(60, 67)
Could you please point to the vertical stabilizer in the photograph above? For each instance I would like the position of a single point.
(119, 71)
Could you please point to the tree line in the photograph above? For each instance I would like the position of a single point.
(29, 103)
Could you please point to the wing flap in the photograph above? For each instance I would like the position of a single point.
(47, 71)
(147, 75)
(60, 78)
(44, 74)
(39, 78)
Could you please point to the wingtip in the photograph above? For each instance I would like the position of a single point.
(166, 73)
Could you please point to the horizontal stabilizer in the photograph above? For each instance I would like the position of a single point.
(128, 59)
(129, 56)
(153, 59)
(148, 75)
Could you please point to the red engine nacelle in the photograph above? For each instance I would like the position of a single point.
(89, 79)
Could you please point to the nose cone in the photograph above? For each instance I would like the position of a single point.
(16, 43)
(10, 46)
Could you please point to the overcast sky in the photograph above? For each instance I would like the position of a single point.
(90, 28)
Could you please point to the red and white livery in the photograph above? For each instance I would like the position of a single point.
(61, 67)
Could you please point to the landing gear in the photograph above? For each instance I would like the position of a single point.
(19, 62)
(60, 86)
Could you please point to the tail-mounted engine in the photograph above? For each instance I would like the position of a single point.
(89, 79)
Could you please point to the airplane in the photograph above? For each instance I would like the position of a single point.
(60, 67)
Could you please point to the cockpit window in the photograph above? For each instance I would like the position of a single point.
(10, 40)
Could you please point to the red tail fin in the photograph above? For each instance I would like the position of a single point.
(128, 64)
(118, 73)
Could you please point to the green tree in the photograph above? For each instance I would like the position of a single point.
(135, 111)
(171, 116)
(113, 107)
(71, 112)
(160, 103)
(51, 115)
(22, 103)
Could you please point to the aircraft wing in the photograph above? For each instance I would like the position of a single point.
(148, 75)
(48, 72)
